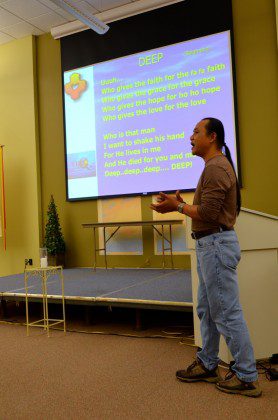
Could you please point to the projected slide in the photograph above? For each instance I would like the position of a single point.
(128, 121)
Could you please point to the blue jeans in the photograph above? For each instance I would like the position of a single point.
(218, 307)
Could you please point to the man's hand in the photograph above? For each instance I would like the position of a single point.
(167, 203)
(178, 196)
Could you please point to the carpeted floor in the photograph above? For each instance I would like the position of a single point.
(106, 377)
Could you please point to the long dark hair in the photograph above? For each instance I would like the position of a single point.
(215, 126)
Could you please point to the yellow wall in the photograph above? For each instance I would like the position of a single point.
(73, 214)
(18, 122)
(257, 87)
(256, 72)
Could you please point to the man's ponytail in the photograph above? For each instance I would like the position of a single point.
(215, 126)
(238, 195)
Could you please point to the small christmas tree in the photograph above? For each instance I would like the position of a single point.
(54, 241)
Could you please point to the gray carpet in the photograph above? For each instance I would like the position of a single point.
(93, 377)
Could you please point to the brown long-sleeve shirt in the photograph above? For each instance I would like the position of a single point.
(215, 195)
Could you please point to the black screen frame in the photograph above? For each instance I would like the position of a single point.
(161, 27)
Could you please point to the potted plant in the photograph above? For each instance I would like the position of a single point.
(54, 241)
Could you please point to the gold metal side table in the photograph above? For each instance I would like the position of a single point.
(44, 274)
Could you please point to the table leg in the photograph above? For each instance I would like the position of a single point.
(63, 299)
(46, 302)
(171, 246)
(104, 246)
(43, 302)
(26, 301)
(163, 246)
(95, 250)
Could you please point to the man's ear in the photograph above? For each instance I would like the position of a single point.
(213, 137)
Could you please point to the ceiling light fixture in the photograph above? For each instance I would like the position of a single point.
(87, 18)
(112, 15)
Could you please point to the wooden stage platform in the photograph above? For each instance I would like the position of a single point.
(134, 288)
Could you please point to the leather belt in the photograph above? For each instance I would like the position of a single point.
(202, 233)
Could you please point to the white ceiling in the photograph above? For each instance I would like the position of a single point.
(19, 18)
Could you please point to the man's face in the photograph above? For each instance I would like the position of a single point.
(200, 140)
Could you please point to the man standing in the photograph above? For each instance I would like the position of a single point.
(215, 207)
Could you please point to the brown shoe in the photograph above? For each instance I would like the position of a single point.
(197, 372)
(232, 385)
